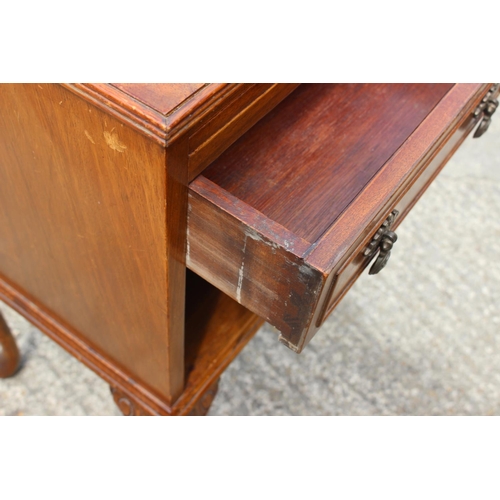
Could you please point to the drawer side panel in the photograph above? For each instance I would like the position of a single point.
(255, 269)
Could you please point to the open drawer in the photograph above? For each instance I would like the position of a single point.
(289, 216)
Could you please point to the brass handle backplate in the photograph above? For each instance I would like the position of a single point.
(383, 241)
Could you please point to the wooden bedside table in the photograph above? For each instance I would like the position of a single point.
(95, 200)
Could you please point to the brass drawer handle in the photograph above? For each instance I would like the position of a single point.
(383, 241)
(488, 106)
(386, 243)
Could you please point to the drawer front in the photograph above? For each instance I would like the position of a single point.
(274, 267)
(349, 272)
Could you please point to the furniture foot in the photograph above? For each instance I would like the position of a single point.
(203, 404)
(128, 406)
(9, 353)
(131, 406)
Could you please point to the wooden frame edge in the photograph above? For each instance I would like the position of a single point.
(161, 128)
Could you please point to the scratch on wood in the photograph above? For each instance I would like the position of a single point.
(287, 245)
(113, 141)
(240, 273)
(87, 135)
(188, 248)
(288, 344)
(257, 237)
(306, 270)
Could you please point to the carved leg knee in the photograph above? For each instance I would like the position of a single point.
(9, 353)
(127, 405)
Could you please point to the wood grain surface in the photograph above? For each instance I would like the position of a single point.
(217, 329)
(305, 161)
(239, 115)
(85, 229)
(255, 261)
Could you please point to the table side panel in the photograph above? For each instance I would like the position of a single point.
(83, 225)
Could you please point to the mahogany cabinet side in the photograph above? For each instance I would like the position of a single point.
(92, 245)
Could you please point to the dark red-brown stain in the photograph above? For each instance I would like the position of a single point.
(332, 135)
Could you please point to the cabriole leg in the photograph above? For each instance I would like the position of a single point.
(127, 405)
(205, 402)
(9, 353)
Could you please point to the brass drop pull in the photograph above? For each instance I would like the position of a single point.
(388, 240)
(488, 106)
(383, 241)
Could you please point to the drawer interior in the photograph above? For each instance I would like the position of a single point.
(276, 214)
(305, 162)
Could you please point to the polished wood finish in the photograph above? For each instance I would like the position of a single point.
(85, 231)
(280, 216)
(146, 113)
(216, 134)
(9, 353)
(306, 161)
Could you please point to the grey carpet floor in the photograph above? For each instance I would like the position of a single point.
(421, 338)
